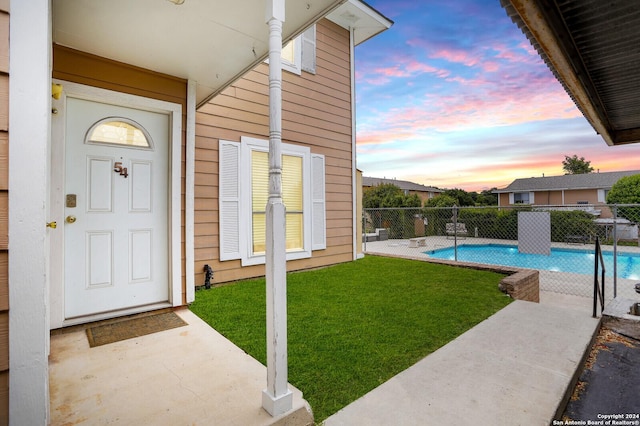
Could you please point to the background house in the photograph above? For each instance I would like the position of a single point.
(589, 190)
(423, 192)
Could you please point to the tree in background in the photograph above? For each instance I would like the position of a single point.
(576, 166)
(388, 195)
(380, 199)
(462, 197)
(626, 191)
(485, 198)
(441, 200)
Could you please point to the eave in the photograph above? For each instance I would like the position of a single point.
(591, 47)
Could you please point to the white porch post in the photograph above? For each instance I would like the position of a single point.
(29, 139)
(277, 398)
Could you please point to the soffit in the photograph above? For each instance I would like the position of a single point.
(365, 20)
(592, 48)
(211, 42)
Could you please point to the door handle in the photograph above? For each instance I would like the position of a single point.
(70, 219)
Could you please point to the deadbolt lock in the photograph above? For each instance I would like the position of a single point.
(70, 219)
(71, 200)
(52, 225)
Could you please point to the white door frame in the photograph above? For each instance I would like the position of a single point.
(57, 195)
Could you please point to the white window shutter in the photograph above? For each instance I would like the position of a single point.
(229, 199)
(532, 197)
(308, 42)
(601, 197)
(511, 198)
(318, 209)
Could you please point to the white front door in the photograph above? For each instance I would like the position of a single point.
(116, 208)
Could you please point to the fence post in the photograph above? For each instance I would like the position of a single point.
(455, 232)
(615, 250)
(363, 237)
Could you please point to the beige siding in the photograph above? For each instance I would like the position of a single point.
(316, 113)
(555, 197)
(4, 210)
(79, 67)
(575, 195)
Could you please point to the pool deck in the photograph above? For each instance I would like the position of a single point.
(556, 282)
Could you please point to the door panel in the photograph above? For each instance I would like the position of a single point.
(116, 250)
(99, 259)
(99, 180)
(140, 190)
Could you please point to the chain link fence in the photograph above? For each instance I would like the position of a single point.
(559, 241)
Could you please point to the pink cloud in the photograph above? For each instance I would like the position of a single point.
(402, 68)
(490, 66)
(460, 112)
(456, 56)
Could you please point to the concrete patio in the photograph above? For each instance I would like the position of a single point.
(189, 375)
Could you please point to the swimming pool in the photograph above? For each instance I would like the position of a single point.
(560, 259)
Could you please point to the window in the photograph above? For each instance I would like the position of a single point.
(602, 195)
(244, 173)
(292, 179)
(521, 198)
(300, 53)
(292, 56)
(118, 131)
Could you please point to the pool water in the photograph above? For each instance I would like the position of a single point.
(560, 259)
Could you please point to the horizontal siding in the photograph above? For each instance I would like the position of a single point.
(4, 41)
(4, 160)
(316, 113)
(4, 397)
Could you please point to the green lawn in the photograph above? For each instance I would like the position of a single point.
(353, 326)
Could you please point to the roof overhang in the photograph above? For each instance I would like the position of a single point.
(365, 20)
(210, 42)
(591, 47)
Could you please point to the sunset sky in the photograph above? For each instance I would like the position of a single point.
(454, 96)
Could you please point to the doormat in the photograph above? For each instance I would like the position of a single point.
(109, 333)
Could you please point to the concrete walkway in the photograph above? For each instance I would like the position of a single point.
(515, 368)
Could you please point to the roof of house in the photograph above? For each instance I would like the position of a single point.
(402, 184)
(578, 181)
(591, 48)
